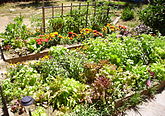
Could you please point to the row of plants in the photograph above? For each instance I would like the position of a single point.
(82, 81)
(24, 41)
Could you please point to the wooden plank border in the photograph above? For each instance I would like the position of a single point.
(37, 55)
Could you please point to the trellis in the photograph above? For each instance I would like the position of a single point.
(71, 6)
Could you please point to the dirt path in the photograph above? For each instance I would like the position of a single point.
(4, 20)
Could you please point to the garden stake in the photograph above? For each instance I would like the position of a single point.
(52, 12)
(87, 14)
(71, 5)
(62, 11)
(79, 8)
(5, 110)
(43, 16)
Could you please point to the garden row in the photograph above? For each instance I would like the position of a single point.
(18, 38)
(91, 79)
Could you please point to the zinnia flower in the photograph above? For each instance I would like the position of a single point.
(70, 33)
(100, 34)
(95, 31)
(41, 35)
(39, 43)
(45, 40)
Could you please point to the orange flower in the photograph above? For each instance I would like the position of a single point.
(108, 25)
(112, 27)
(60, 36)
(70, 38)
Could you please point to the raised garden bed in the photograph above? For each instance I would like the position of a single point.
(70, 78)
(35, 56)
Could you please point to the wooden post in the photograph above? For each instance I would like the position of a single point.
(5, 109)
(43, 16)
(52, 12)
(87, 14)
(79, 9)
(107, 14)
(94, 9)
(62, 14)
(62, 10)
(71, 5)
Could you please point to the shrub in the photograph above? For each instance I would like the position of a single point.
(153, 16)
(127, 14)
(56, 24)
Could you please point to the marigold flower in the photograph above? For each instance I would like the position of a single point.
(55, 33)
(104, 28)
(117, 29)
(112, 27)
(86, 29)
(52, 35)
(60, 36)
(108, 24)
